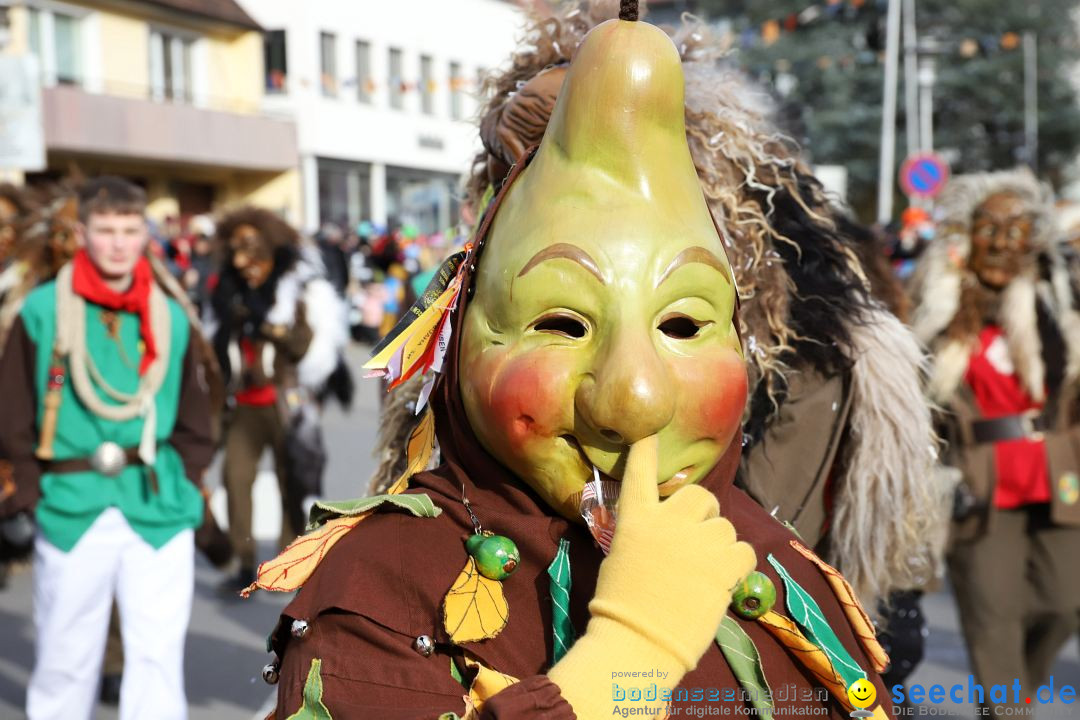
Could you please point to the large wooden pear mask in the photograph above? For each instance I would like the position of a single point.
(604, 304)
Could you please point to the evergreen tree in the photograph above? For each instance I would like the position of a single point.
(826, 66)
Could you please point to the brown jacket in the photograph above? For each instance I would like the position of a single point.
(382, 586)
(789, 472)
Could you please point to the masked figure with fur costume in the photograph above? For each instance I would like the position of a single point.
(591, 328)
(278, 330)
(993, 303)
(838, 438)
(48, 239)
(16, 206)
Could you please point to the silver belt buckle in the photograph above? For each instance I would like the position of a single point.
(109, 459)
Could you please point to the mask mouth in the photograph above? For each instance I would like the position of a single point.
(588, 462)
(676, 481)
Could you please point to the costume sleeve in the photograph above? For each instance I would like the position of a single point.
(191, 436)
(292, 340)
(18, 422)
(357, 668)
(533, 697)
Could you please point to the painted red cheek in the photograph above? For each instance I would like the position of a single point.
(713, 392)
(527, 396)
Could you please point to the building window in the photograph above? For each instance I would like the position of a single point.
(427, 85)
(395, 81)
(365, 84)
(277, 69)
(457, 91)
(56, 40)
(170, 67)
(328, 63)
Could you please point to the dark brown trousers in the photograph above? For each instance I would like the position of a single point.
(251, 430)
(1017, 589)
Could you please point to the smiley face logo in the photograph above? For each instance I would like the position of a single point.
(862, 693)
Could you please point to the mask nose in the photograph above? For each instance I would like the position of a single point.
(630, 394)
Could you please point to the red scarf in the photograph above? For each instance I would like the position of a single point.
(87, 282)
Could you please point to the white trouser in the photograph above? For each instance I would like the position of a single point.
(73, 593)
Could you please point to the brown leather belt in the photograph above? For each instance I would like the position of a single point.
(85, 464)
(1010, 427)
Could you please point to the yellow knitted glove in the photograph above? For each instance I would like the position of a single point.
(661, 592)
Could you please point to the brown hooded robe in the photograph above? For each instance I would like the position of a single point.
(382, 585)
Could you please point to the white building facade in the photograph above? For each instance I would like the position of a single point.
(383, 93)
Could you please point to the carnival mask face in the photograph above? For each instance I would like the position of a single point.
(1001, 230)
(603, 310)
(251, 257)
(114, 242)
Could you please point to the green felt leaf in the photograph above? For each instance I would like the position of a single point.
(418, 504)
(745, 662)
(562, 628)
(807, 613)
(456, 674)
(313, 708)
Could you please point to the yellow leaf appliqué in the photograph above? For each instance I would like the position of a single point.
(475, 608)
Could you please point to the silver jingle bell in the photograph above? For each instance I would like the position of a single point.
(299, 629)
(270, 673)
(108, 459)
(424, 645)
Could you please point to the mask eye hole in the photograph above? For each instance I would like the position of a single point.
(680, 327)
(564, 325)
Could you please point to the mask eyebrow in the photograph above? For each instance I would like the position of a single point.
(696, 254)
(567, 252)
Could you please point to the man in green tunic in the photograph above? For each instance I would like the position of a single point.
(107, 428)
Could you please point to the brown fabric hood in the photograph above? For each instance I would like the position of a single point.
(394, 569)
